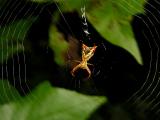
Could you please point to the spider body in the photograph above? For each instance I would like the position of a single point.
(87, 53)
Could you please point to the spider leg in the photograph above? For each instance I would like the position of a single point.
(75, 68)
(90, 64)
(69, 61)
(76, 61)
(88, 70)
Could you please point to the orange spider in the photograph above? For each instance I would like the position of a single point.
(87, 53)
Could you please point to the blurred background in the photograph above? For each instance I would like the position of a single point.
(41, 42)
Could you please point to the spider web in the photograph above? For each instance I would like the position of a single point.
(149, 92)
(8, 15)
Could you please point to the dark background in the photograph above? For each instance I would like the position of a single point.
(120, 75)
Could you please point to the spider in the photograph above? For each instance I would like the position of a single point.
(87, 53)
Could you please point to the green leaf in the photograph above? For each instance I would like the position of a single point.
(12, 37)
(58, 45)
(111, 18)
(47, 103)
(7, 92)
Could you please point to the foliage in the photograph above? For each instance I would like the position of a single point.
(112, 19)
(12, 37)
(58, 44)
(48, 103)
(7, 92)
